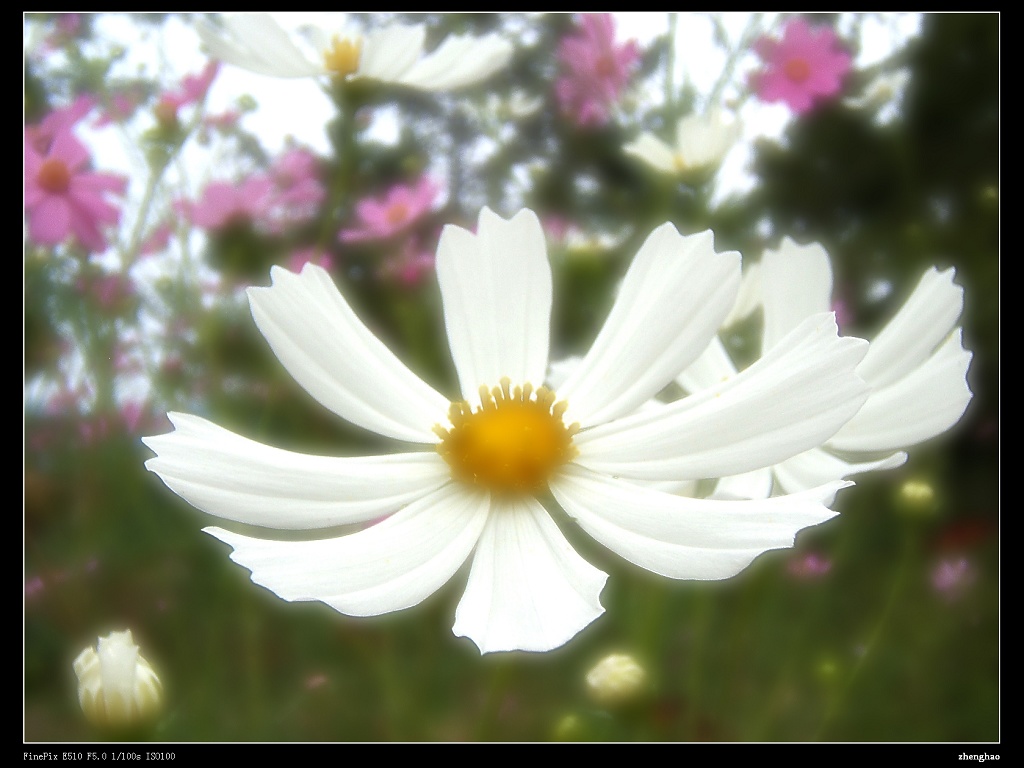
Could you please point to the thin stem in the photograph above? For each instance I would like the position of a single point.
(895, 591)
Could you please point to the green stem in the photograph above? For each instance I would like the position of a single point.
(842, 692)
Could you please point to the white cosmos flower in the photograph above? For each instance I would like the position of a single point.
(392, 54)
(702, 142)
(916, 367)
(472, 488)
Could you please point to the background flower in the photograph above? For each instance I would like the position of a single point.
(804, 67)
(392, 54)
(595, 70)
(63, 198)
(393, 212)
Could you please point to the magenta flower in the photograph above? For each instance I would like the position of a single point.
(410, 266)
(380, 218)
(121, 107)
(298, 191)
(303, 256)
(59, 120)
(157, 240)
(809, 566)
(951, 576)
(193, 88)
(62, 198)
(802, 68)
(596, 70)
(223, 203)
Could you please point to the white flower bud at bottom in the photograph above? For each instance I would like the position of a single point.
(116, 686)
(616, 679)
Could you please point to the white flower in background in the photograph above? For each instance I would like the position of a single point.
(471, 490)
(392, 54)
(116, 686)
(883, 94)
(916, 367)
(702, 142)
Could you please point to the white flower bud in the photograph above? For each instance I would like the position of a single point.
(616, 679)
(116, 686)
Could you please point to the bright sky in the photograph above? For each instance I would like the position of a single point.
(697, 58)
(175, 48)
(299, 109)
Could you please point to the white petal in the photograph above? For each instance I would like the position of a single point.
(256, 42)
(713, 367)
(653, 151)
(748, 298)
(816, 466)
(390, 566)
(232, 477)
(756, 484)
(796, 281)
(922, 404)
(703, 140)
(459, 61)
(528, 590)
(496, 290)
(922, 323)
(685, 538)
(792, 399)
(390, 52)
(334, 357)
(669, 306)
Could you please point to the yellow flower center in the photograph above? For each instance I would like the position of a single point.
(54, 176)
(397, 213)
(342, 58)
(512, 442)
(797, 70)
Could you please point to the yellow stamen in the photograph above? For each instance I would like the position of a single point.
(54, 176)
(512, 442)
(797, 70)
(342, 58)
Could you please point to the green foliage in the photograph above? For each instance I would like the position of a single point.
(870, 650)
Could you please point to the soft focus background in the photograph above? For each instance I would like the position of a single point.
(881, 625)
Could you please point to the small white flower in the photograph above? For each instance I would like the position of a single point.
(472, 490)
(116, 686)
(916, 367)
(702, 142)
(392, 54)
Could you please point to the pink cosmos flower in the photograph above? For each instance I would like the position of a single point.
(300, 258)
(223, 203)
(157, 240)
(59, 120)
(298, 191)
(805, 66)
(223, 120)
(809, 566)
(191, 90)
(62, 198)
(951, 576)
(596, 70)
(402, 205)
(410, 266)
(121, 107)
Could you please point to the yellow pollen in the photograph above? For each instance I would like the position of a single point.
(797, 70)
(512, 442)
(342, 58)
(54, 176)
